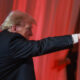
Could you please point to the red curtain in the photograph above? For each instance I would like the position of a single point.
(54, 18)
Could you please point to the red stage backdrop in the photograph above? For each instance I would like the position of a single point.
(54, 18)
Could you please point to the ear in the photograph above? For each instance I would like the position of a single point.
(13, 28)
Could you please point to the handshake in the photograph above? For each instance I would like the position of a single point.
(79, 36)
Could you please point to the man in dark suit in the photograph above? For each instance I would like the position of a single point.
(16, 50)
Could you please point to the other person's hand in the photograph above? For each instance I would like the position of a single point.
(79, 36)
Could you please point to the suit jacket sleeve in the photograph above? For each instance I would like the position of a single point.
(22, 48)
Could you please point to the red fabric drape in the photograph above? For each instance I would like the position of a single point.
(54, 18)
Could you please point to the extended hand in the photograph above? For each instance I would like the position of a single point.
(79, 36)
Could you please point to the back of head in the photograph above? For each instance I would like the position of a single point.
(15, 18)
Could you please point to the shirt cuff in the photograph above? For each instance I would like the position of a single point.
(75, 38)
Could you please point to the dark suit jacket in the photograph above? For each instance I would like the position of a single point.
(16, 54)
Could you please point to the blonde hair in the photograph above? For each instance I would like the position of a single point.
(15, 18)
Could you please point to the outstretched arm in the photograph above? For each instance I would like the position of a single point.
(22, 48)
